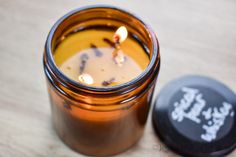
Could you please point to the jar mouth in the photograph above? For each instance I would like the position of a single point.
(65, 80)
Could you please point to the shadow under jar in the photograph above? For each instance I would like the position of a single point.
(100, 121)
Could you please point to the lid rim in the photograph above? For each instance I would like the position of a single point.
(180, 143)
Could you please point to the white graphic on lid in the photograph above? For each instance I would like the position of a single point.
(232, 114)
(218, 118)
(191, 107)
(185, 103)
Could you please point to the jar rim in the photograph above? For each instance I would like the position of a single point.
(66, 79)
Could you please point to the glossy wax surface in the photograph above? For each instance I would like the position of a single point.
(99, 56)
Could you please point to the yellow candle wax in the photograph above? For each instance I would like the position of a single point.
(90, 54)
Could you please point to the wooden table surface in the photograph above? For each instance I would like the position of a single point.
(196, 37)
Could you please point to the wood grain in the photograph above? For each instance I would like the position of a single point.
(196, 37)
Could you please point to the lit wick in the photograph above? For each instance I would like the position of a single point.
(119, 36)
(86, 78)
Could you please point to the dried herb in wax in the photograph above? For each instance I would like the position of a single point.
(83, 60)
(108, 82)
(96, 50)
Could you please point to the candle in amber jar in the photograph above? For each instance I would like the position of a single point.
(101, 65)
(92, 53)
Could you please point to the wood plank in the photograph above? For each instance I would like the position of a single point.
(196, 37)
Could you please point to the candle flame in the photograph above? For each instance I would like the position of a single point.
(86, 78)
(120, 34)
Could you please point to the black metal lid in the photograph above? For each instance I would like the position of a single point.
(195, 116)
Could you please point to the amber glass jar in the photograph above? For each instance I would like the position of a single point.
(100, 121)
